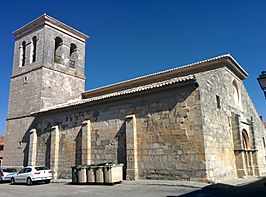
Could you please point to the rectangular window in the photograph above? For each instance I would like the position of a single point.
(218, 102)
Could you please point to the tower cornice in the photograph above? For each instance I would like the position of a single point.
(49, 21)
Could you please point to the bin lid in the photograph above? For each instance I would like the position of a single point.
(112, 165)
(104, 164)
(75, 166)
(91, 166)
(99, 167)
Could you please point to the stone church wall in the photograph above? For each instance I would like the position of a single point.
(16, 143)
(169, 134)
(257, 129)
(58, 87)
(23, 89)
(218, 109)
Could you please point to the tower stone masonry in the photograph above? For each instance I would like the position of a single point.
(194, 122)
(48, 69)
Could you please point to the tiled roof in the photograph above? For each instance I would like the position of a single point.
(243, 74)
(151, 81)
(120, 93)
(2, 140)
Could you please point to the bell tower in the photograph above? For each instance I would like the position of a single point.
(48, 69)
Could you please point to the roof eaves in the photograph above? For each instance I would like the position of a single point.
(184, 67)
(48, 20)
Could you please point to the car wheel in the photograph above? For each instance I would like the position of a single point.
(29, 181)
(12, 181)
(47, 181)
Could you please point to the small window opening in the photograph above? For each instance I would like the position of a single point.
(58, 50)
(25, 80)
(19, 144)
(218, 102)
(236, 93)
(34, 45)
(23, 53)
(264, 144)
(73, 55)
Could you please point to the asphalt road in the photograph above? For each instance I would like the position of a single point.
(66, 190)
(251, 189)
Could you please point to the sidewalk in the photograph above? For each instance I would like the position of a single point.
(193, 184)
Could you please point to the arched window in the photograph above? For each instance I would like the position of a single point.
(73, 55)
(33, 49)
(235, 93)
(58, 50)
(246, 142)
(23, 54)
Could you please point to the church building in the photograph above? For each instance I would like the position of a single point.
(195, 122)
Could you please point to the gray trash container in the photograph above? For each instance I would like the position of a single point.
(91, 171)
(113, 173)
(99, 174)
(82, 174)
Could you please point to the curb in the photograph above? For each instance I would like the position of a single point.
(174, 184)
(196, 185)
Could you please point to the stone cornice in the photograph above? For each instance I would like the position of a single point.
(50, 68)
(47, 20)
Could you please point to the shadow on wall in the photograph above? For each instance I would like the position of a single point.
(26, 140)
(78, 151)
(255, 189)
(121, 149)
(47, 152)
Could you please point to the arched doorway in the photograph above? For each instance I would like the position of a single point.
(245, 140)
(248, 157)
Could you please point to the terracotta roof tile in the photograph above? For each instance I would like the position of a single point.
(120, 93)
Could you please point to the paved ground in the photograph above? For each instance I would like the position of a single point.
(65, 190)
(250, 187)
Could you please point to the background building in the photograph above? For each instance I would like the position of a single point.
(1, 149)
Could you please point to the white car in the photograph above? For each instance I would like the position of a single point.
(32, 174)
(6, 173)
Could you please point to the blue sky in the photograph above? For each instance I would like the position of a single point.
(136, 37)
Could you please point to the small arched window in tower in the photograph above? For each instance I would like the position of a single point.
(235, 93)
(58, 50)
(73, 56)
(23, 54)
(33, 49)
